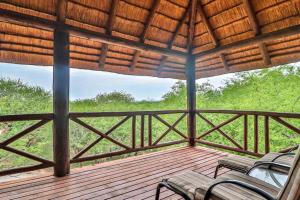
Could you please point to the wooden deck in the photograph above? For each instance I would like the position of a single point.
(130, 178)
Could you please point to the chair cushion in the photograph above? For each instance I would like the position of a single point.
(287, 160)
(271, 189)
(195, 185)
(189, 181)
(237, 162)
(243, 164)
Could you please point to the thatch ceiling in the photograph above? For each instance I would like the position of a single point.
(224, 35)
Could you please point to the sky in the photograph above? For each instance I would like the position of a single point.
(87, 84)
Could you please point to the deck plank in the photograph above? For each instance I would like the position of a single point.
(131, 178)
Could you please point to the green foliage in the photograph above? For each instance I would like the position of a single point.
(17, 97)
(274, 89)
(114, 97)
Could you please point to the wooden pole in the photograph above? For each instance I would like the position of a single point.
(61, 77)
(191, 98)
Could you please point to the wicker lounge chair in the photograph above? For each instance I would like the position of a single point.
(243, 164)
(234, 185)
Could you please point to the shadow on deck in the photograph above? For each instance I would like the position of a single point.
(129, 178)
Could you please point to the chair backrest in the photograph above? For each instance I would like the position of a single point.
(291, 189)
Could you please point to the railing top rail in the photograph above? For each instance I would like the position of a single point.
(49, 116)
(26, 117)
(131, 113)
(249, 112)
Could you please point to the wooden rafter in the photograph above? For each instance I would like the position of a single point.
(192, 24)
(251, 16)
(265, 54)
(224, 61)
(207, 24)
(161, 64)
(150, 19)
(112, 16)
(256, 29)
(145, 31)
(61, 10)
(110, 23)
(179, 25)
(135, 60)
(211, 32)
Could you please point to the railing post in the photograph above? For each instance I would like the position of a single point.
(150, 130)
(267, 135)
(142, 130)
(246, 132)
(61, 79)
(256, 134)
(191, 98)
(133, 125)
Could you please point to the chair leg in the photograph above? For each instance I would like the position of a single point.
(164, 183)
(159, 186)
(216, 171)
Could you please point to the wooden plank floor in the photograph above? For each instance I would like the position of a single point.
(130, 178)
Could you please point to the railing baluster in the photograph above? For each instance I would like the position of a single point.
(245, 132)
(149, 130)
(133, 128)
(255, 133)
(267, 135)
(142, 130)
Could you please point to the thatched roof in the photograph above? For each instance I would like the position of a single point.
(153, 37)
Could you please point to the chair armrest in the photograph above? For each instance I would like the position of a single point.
(240, 184)
(294, 148)
(283, 154)
(270, 164)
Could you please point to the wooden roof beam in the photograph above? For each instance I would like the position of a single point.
(256, 28)
(135, 60)
(261, 38)
(224, 61)
(61, 10)
(37, 22)
(265, 54)
(110, 23)
(179, 25)
(207, 24)
(161, 65)
(252, 17)
(192, 25)
(150, 19)
(148, 23)
(211, 33)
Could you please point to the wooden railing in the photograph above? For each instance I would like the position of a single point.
(244, 146)
(141, 130)
(4, 145)
(150, 143)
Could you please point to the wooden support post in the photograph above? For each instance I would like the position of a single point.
(61, 77)
(191, 98)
